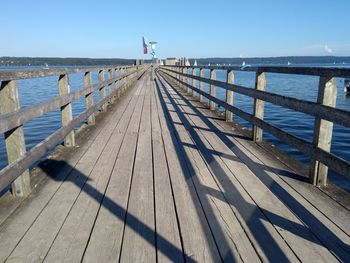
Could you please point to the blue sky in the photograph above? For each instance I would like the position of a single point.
(231, 28)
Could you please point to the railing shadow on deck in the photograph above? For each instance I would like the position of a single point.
(319, 233)
(82, 181)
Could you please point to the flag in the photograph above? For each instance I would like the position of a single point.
(144, 42)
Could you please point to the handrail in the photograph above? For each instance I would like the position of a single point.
(6, 75)
(322, 110)
(12, 117)
(338, 116)
(312, 71)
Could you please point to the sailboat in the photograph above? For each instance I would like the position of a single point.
(244, 65)
(195, 63)
(288, 63)
(187, 63)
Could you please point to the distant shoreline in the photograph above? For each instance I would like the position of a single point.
(53, 61)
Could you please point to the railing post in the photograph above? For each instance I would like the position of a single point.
(66, 110)
(327, 95)
(185, 79)
(115, 83)
(260, 83)
(201, 84)
(178, 75)
(101, 91)
(194, 83)
(229, 94)
(212, 88)
(89, 97)
(14, 139)
(182, 77)
(110, 85)
(189, 90)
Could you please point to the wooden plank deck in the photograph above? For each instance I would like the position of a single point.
(163, 179)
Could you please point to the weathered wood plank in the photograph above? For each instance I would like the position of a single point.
(139, 241)
(326, 218)
(169, 248)
(334, 162)
(247, 212)
(301, 247)
(71, 241)
(106, 237)
(28, 211)
(198, 242)
(38, 238)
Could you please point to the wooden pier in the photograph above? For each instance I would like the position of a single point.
(158, 176)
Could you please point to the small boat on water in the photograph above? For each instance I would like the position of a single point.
(244, 65)
(289, 63)
(347, 86)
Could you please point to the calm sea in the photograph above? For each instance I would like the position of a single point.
(33, 91)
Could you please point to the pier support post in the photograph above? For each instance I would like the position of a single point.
(260, 83)
(194, 82)
(101, 91)
(14, 139)
(212, 88)
(201, 84)
(89, 98)
(327, 95)
(229, 94)
(66, 110)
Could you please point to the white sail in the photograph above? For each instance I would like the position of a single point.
(195, 63)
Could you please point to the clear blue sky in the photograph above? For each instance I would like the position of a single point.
(231, 28)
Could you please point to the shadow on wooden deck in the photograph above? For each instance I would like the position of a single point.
(311, 229)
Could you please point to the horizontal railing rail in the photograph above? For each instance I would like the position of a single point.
(6, 75)
(323, 110)
(12, 117)
(310, 71)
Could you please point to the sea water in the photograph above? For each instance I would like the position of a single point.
(33, 91)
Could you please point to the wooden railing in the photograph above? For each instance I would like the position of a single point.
(323, 110)
(12, 117)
